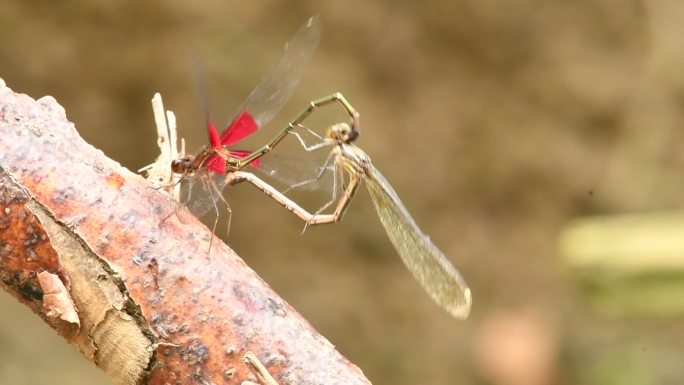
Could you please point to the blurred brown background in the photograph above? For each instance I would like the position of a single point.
(498, 123)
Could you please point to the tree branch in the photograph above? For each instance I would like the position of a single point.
(124, 275)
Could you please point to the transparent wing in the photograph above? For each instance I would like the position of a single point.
(201, 193)
(425, 261)
(264, 103)
(292, 171)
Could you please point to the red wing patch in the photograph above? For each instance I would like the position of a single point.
(241, 154)
(214, 138)
(216, 164)
(243, 126)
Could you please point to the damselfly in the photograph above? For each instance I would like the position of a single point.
(209, 165)
(430, 267)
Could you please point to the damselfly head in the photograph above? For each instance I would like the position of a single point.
(342, 132)
(182, 165)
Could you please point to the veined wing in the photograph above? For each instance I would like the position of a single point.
(264, 103)
(201, 193)
(296, 173)
(425, 261)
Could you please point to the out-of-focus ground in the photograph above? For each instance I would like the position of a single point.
(498, 123)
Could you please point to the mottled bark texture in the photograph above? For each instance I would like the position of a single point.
(114, 267)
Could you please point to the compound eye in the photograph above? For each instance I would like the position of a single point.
(177, 166)
(346, 133)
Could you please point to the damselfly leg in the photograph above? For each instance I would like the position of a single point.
(429, 266)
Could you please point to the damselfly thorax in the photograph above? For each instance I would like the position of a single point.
(188, 165)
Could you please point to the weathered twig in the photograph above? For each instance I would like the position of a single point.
(101, 257)
(159, 173)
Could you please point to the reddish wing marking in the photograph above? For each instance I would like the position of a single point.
(214, 138)
(242, 126)
(216, 164)
(242, 153)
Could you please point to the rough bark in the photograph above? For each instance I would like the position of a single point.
(124, 275)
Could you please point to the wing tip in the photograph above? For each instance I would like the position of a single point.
(461, 310)
(313, 22)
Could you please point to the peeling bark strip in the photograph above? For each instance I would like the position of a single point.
(57, 302)
(84, 244)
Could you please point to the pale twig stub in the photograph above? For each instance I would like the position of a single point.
(159, 173)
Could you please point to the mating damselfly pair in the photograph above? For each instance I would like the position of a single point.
(216, 165)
